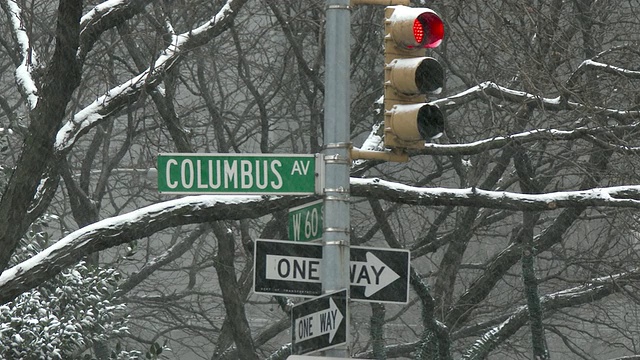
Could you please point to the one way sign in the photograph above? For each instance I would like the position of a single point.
(320, 323)
(286, 268)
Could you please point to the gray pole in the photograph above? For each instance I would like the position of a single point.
(335, 250)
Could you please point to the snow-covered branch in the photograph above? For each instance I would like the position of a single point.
(105, 16)
(491, 89)
(593, 65)
(477, 147)
(594, 290)
(619, 196)
(590, 64)
(116, 98)
(132, 226)
(28, 58)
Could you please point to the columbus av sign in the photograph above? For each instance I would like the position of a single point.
(260, 174)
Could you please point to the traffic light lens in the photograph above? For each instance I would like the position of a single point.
(430, 122)
(429, 76)
(428, 30)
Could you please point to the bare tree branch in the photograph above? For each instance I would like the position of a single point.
(28, 56)
(128, 227)
(590, 134)
(594, 290)
(491, 89)
(116, 98)
(618, 196)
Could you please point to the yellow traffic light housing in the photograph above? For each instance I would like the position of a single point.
(409, 76)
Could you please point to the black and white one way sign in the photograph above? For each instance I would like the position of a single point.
(287, 268)
(320, 323)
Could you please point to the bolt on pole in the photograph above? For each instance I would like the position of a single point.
(335, 250)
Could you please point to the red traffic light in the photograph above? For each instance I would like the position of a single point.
(415, 28)
(409, 121)
(428, 30)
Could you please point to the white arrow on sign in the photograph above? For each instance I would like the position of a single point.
(373, 274)
(319, 323)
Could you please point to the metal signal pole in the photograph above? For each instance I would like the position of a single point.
(335, 252)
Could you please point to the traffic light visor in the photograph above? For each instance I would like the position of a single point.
(416, 122)
(412, 76)
(415, 28)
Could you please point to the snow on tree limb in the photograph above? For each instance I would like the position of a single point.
(28, 57)
(151, 219)
(131, 226)
(116, 98)
(594, 290)
(592, 64)
(631, 74)
(105, 16)
(196, 209)
(99, 11)
(491, 89)
(618, 196)
(496, 142)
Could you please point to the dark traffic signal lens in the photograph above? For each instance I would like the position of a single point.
(430, 122)
(429, 77)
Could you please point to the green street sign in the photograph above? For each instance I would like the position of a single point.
(258, 174)
(305, 221)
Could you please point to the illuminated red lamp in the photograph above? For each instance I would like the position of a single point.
(413, 28)
(431, 24)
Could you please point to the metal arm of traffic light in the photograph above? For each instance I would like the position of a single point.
(391, 155)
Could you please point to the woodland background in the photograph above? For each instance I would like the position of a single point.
(536, 255)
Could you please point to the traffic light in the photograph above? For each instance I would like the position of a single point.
(409, 76)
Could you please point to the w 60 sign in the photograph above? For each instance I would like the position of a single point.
(305, 222)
